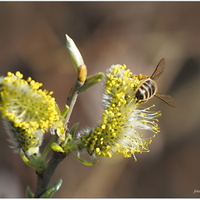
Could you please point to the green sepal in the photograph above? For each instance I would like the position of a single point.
(87, 163)
(57, 148)
(52, 189)
(73, 129)
(90, 81)
(29, 193)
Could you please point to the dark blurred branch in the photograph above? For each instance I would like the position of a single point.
(44, 177)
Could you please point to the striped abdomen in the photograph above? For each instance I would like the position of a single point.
(146, 90)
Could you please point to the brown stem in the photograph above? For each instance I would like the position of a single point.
(71, 100)
(45, 176)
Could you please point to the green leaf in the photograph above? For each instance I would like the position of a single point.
(91, 80)
(52, 189)
(48, 147)
(73, 129)
(65, 111)
(84, 161)
(34, 161)
(29, 193)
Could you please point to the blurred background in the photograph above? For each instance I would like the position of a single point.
(138, 34)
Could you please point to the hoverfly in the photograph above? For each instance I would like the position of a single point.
(148, 87)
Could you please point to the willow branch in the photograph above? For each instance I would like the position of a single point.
(45, 176)
(71, 100)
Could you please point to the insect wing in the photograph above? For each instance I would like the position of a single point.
(167, 99)
(159, 69)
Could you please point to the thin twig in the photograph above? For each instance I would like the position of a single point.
(71, 100)
(45, 176)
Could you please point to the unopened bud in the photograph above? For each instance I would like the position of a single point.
(74, 52)
(82, 73)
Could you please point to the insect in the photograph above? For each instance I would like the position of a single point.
(148, 87)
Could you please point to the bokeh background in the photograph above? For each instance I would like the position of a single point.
(138, 34)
